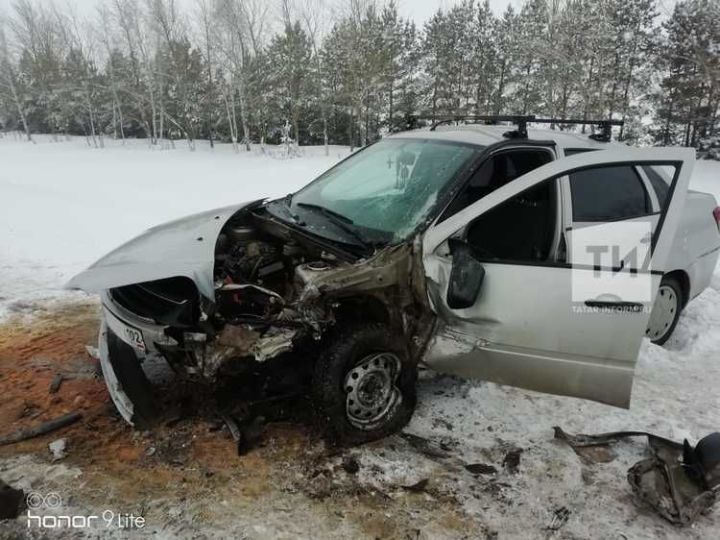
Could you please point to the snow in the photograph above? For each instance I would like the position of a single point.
(63, 205)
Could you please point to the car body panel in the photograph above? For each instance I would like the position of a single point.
(184, 247)
(523, 329)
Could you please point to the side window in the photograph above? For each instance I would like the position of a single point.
(608, 194)
(659, 184)
(573, 151)
(520, 229)
(496, 171)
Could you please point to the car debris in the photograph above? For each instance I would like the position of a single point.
(480, 468)
(55, 383)
(58, 449)
(41, 429)
(247, 433)
(560, 517)
(417, 487)
(11, 500)
(351, 465)
(680, 482)
(511, 461)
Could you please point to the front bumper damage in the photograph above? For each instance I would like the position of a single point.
(275, 290)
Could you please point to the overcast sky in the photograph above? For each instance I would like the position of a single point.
(418, 10)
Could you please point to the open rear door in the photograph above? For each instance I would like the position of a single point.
(567, 319)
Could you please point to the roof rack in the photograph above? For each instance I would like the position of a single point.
(605, 134)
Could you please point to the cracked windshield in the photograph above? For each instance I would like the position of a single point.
(385, 191)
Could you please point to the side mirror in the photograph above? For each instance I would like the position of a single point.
(466, 276)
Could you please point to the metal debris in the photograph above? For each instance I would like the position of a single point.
(480, 468)
(351, 465)
(678, 481)
(418, 486)
(56, 382)
(512, 460)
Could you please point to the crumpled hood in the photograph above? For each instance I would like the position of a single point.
(184, 247)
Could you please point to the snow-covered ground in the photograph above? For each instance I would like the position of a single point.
(62, 205)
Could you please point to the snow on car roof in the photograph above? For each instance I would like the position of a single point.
(484, 135)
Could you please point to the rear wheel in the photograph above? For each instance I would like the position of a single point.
(666, 310)
(364, 384)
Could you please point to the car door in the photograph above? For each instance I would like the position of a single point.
(520, 314)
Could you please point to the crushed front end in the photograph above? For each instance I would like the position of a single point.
(277, 290)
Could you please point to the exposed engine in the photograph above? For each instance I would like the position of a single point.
(261, 298)
(275, 290)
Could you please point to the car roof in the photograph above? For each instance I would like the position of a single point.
(485, 135)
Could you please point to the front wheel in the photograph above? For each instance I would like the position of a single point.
(666, 311)
(364, 384)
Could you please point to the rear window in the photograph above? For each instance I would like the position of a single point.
(659, 185)
(607, 194)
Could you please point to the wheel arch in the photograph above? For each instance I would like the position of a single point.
(362, 308)
(682, 277)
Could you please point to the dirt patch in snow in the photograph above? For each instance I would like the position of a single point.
(478, 460)
(186, 478)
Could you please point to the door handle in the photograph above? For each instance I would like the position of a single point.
(646, 239)
(615, 305)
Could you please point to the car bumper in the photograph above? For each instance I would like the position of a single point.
(142, 334)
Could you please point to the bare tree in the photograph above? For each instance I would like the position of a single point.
(8, 79)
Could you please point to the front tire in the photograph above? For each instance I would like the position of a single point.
(666, 310)
(364, 384)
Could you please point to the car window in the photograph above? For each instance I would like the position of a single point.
(659, 184)
(573, 151)
(608, 193)
(496, 171)
(520, 229)
(390, 187)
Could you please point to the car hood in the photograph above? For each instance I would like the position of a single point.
(184, 247)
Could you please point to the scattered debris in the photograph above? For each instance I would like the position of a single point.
(678, 481)
(10, 501)
(425, 446)
(251, 433)
(480, 468)
(512, 460)
(245, 435)
(560, 518)
(58, 449)
(41, 429)
(232, 426)
(56, 382)
(351, 465)
(440, 422)
(417, 487)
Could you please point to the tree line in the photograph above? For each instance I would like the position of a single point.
(345, 72)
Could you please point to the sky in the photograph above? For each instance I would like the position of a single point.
(418, 10)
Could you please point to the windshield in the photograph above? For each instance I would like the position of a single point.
(385, 191)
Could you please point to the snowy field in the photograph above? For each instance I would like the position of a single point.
(62, 205)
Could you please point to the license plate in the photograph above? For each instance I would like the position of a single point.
(131, 336)
(135, 338)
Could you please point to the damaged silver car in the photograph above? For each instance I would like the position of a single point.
(449, 248)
